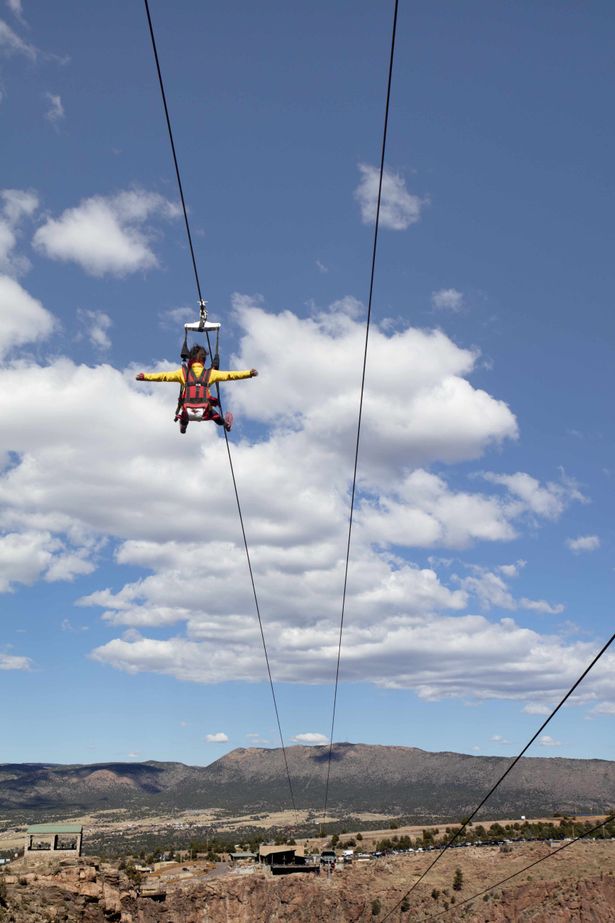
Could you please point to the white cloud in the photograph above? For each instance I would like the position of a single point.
(321, 267)
(17, 204)
(257, 740)
(432, 411)
(535, 708)
(175, 318)
(547, 741)
(398, 207)
(548, 501)
(498, 739)
(310, 738)
(583, 543)
(23, 319)
(603, 708)
(11, 43)
(15, 6)
(106, 235)
(492, 591)
(55, 111)
(407, 626)
(95, 326)
(447, 299)
(28, 556)
(12, 662)
(541, 605)
(219, 738)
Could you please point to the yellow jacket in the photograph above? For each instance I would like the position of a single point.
(214, 375)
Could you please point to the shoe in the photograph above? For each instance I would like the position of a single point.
(228, 421)
(183, 427)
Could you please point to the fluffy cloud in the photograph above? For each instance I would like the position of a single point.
(418, 401)
(447, 299)
(547, 741)
(55, 109)
(492, 591)
(583, 543)
(106, 235)
(11, 43)
(23, 319)
(398, 207)
(406, 626)
(15, 7)
(533, 708)
(547, 501)
(311, 739)
(219, 738)
(17, 204)
(12, 662)
(95, 326)
(27, 556)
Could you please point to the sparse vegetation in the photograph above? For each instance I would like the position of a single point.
(376, 907)
(458, 880)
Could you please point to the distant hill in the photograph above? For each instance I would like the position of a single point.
(390, 780)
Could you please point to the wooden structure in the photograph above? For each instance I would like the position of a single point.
(53, 840)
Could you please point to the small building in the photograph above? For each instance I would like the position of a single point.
(282, 855)
(243, 856)
(51, 839)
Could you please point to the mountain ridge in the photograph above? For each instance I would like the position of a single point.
(384, 779)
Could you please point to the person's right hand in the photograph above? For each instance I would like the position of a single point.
(141, 376)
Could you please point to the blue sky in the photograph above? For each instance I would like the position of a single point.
(481, 577)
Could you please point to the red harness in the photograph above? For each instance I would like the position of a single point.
(195, 391)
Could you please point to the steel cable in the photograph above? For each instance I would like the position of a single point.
(360, 415)
(228, 448)
(512, 765)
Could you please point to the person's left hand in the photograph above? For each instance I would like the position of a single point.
(253, 373)
(140, 376)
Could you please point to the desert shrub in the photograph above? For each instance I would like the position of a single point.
(376, 907)
(405, 905)
(3, 898)
(458, 880)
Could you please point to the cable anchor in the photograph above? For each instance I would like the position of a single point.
(203, 314)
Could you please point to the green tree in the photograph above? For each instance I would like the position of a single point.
(376, 907)
(458, 880)
(405, 905)
(134, 876)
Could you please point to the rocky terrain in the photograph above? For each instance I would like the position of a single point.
(577, 885)
(388, 780)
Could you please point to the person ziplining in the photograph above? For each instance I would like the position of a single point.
(196, 403)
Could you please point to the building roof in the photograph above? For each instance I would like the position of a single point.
(285, 847)
(55, 828)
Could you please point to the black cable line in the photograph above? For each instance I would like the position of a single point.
(512, 765)
(532, 865)
(356, 454)
(170, 131)
(228, 448)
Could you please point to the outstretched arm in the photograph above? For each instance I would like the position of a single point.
(175, 375)
(217, 375)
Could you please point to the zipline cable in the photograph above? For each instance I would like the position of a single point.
(360, 416)
(228, 448)
(512, 765)
(525, 868)
(175, 161)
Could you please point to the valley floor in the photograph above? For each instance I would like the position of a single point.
(576, 885)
